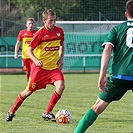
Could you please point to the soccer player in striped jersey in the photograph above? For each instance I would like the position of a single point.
(48, 46)
(25, 36)
(120, 43)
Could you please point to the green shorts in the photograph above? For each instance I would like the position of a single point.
(115, 89)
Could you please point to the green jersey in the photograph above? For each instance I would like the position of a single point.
(121, 38)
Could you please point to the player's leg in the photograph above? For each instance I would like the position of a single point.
(27, 67)
(59, 85)
(27, 75)
(99, 106)
(19, 100)
(114, 90)
(53, 100)
(90, 116)
(58, 81)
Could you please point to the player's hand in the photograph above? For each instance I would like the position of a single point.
(38, 63)
(15, 56)
(102, 83)
(60, 64)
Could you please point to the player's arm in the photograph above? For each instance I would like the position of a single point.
(33, 57)
(104, 64)
(16, 49)
(61, 57)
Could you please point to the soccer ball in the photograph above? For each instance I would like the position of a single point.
(63, 116)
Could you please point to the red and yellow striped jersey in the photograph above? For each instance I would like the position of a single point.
(46, 46)
(25, 37)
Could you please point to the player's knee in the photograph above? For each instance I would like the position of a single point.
(62, 86)
(98, 109)
(60, 89)
(26, 93)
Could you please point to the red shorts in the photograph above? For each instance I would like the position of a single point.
(27, 64)
(39, 77)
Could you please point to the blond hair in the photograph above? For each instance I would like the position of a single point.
(46, 13)
(30, 19)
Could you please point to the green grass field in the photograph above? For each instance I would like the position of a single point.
(80, 94)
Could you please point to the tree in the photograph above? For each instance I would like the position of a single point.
(90, 10)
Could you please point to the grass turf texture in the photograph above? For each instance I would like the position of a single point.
(80, 94)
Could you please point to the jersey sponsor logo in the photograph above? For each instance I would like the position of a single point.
(51, 48)
(27, 42)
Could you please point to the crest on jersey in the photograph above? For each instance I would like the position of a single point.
(58, 34)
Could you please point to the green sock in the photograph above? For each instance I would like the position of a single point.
(87, 120)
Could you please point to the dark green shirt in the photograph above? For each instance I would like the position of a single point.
(121, 38)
